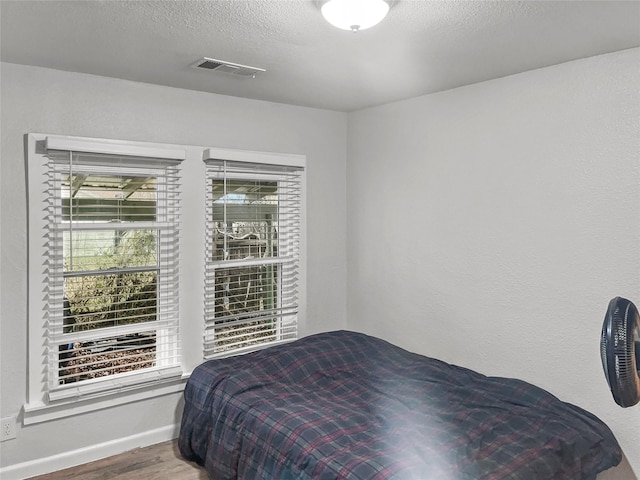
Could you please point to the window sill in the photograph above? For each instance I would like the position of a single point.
(39, 412)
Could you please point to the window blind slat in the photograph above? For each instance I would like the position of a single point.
(66, 334)
(121, 383)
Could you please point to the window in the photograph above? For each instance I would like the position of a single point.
(253, 230)
(111, 265)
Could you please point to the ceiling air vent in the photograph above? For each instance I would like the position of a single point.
(212, 64)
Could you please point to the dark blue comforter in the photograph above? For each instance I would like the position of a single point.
(344, 405)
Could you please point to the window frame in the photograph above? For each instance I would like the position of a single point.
(46, 401)
(257, 160)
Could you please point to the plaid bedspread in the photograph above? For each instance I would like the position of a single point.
(343, 405)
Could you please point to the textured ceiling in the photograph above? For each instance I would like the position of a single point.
(421, 47)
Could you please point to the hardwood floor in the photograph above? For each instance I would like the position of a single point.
(163, 462)
(157, 462)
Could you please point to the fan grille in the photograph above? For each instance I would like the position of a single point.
(618, 343)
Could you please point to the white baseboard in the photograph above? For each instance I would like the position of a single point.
(91, 453)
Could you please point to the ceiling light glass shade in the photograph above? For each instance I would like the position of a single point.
(354, 15)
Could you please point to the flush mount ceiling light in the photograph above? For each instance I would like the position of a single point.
(354, 15)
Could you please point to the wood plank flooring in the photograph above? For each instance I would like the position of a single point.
(163, 461)
(156, 462)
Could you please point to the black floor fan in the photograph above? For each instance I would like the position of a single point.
(620, 351)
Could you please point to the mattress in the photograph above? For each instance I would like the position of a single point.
(344, 405)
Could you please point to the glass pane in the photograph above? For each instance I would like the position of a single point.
(100, 199)
(106, 249)
(244, 290)
(244, 293)
(239, 336)
(245, 219)
(106, 356)
(99, 301)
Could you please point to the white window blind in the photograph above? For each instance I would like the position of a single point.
(111, 267)
(253, 234)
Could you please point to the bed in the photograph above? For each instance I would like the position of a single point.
(344, 405)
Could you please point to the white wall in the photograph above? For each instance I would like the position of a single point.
(490, 225)
(49, 101)
(487, 225)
